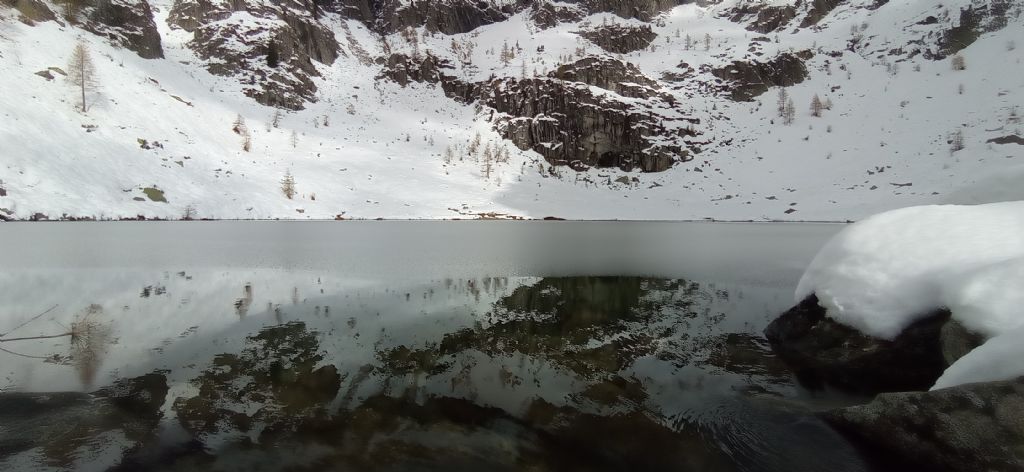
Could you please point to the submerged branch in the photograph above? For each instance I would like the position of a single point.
(28, 338)
(28, 321)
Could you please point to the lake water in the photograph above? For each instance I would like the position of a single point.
(405, 346)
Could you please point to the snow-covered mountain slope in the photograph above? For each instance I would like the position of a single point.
(503, 111)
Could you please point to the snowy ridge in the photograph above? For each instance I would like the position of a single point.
(370, 148)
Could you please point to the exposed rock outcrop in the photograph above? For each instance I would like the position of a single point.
(126, 23)
(546, 14)
(643, 10)
(270, 48)
(613, 75)
(823, 351)
(819, 9)
(974, 427)
(763, 18)
(746, 80)
(620, 39)
(570, 125)
(31, 10)
(445, 16)
(561, 118)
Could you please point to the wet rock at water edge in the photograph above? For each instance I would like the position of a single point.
(973, 427)
(822, 351)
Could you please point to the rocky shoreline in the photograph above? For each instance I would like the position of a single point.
(969, 427)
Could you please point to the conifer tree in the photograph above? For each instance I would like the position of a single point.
(816, 106)
(82, 74)
(288, 185)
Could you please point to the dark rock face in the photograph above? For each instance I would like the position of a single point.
(570, 125)
(548, 15)
(127, 23)
(766, 19)
(563, 120)
(822, 351)
(446, 16)
(403, 69)
(613, 75)
(32, 10)
(746, 80)
(643, 10)
(974, 427)
(819, 9)
(1008, 139)
(296, 38)
(619, 38)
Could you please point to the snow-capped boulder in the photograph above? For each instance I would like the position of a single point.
(877, 300)
(973, 427)
(823, 351)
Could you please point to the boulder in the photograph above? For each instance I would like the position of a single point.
(973, 427)
(823, 351)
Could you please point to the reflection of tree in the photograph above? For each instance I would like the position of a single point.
(90, 336)
(275, 371)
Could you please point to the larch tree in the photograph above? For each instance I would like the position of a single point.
(789, 112)
(82, 74)
(816, 106)
(288, 185)
(781, 103)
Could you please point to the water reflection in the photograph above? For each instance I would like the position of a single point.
(270, 369)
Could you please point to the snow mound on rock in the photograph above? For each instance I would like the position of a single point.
(885, 272)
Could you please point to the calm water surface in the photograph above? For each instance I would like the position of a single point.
(405, 346)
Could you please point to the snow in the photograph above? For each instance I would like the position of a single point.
(997, 359)
(887, 271)
(381, 156)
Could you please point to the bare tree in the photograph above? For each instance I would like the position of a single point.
(816, 106)
(294, 139)
(781, 103)
(275, 120)
(956, 141)
(789, 112)
(288, 185)
(958, 62)
(82, 74)
(239, 125)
